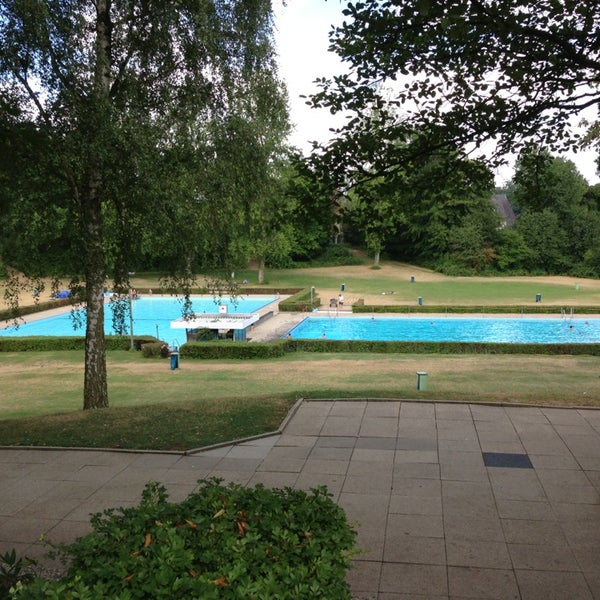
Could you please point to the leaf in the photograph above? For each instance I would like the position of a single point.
(191, 524)
(221, 582)
(129, 577)
(241, 525)
(148, 540)
(219, 513)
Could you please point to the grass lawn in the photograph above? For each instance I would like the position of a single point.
(206, 402)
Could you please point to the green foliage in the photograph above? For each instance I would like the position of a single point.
(131, 133)
(152, 350)
(15, 312)
(464, 76)
(14, 571)
(232, 350)
(333, 255)
(221, 542)
(363, 346)
(47, 342)
(302, 301)
(314, 215)
(244, 351)
(537, 309)
(429, 80)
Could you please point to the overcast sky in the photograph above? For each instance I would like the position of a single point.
(302, 28)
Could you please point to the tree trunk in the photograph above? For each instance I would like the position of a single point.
(95, 389)
(261, 270)
(376, 258)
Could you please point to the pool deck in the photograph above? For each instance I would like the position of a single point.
(451, 501)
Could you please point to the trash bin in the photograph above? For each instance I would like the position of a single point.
(412, 278)
(421, 380)
(343, 287)
(174, 360)
(420, 301)
(538, 297)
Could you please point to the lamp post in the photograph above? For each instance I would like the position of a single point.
(131, 322)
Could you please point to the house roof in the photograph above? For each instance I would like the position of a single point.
(504, 209)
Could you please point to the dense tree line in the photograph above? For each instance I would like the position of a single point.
(427, 80)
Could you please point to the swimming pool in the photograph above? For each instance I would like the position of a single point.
(514, 330)
(151, 316)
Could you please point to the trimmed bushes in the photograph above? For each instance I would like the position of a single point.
(300, 302)
(537, 309)
(243, 350)
(9, 314)
(45, 343)
(221, 542)
(233, 350)
(440, 347)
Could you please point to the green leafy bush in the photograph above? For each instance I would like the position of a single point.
(232, 350)
(152, 350)
(300, 302)
(8, 314)
(221, 542)
(539, 309)
(14, 569)
(333, 256)
(44, 343)
(409, 347)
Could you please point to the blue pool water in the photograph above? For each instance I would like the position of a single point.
(151, 316)
(451, 329)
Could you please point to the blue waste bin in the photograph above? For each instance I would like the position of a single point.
(174, 360)
(420, 301)
(421, 380)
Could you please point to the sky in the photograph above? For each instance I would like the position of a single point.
(302, 28)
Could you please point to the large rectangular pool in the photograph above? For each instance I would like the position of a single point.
(151, 316)
(451, 329)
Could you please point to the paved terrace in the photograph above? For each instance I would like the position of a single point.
(451, 501)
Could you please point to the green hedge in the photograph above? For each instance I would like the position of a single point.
(222, 542)
(245, 350)
(234, 350)
(300, 302)
(359, 346)
(243, 290)
(44, 343)
(8, 314)
(537, 309)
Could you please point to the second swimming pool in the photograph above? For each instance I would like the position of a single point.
(451, 329)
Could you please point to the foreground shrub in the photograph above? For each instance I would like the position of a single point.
(221, 542)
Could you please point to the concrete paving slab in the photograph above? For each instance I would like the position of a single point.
(433, 520)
